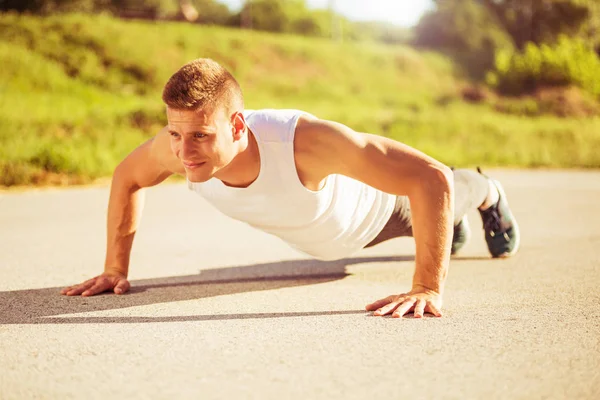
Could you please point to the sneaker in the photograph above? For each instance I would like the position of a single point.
(501, 229)
(462, 234)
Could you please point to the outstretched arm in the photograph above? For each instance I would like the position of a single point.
(394, 168)
(146, 166)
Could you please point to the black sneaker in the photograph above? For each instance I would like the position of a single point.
(462, 234)
(501, 229)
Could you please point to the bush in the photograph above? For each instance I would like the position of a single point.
(569, 62)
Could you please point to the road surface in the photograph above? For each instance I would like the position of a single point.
(218, 310)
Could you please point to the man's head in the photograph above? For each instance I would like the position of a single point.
(200, 84)
(204, 112)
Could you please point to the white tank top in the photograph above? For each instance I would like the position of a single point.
(328, 224)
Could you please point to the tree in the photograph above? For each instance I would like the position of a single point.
(48, 6)
(474, 30)
(466, 30)
(264, 15)
(540, 21)
(211, 12)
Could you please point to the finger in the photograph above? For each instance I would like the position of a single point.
(73, 287)
(122, 287)
(379, 303)
(66, 290)
(404, 308)
(433, 310)
(77, 290)
(388, 308)
(100, 286)
(420, 308)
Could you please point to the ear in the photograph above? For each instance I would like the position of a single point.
(239, 125)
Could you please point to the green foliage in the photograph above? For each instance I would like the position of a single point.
(380, 32)
(281, 16)
(569, 62)
(93, 53)
(292, 16)
(212, 12)
(266, 15)
(155, 9)
(467, 31)
(78, 93)
(473, 31)
(590, 29)
(48, 6)
(540, 21)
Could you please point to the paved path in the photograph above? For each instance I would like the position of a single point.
(220, 311)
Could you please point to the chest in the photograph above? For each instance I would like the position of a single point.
(272, 206)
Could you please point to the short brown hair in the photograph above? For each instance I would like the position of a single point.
(202, 83)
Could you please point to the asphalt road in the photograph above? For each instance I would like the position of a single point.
(218, 310)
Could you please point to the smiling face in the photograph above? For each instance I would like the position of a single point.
(207, 141)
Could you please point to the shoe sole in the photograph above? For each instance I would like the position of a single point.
(514, 222)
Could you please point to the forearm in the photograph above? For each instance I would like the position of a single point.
(124, 213)
(432, 208)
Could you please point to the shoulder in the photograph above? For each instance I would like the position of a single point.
(319, 144)
(274, 125)
(322, 137)
(307, 132)
(161, 152)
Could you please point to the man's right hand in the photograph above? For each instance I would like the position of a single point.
(106, 282)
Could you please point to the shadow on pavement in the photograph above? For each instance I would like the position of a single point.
(187, 318)
(33, 306)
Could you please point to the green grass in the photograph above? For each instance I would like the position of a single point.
(78, 93)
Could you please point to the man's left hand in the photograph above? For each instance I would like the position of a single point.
(418, 300)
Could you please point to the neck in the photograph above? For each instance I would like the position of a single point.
(245, 167)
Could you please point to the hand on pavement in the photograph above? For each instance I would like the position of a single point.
(102, 283)
(418, 300)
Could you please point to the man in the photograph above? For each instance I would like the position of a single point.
(325, 189)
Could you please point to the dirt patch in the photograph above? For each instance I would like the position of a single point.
(565, 102)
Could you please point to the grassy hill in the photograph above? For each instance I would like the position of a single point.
(78, 93)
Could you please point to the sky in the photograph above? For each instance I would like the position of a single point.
(400, 12)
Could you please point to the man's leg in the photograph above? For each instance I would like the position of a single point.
(398, 225)
(471, 191)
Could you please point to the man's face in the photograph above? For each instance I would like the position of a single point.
(204, 140)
